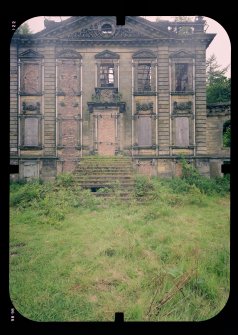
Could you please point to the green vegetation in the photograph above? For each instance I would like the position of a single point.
(162, 256)
(218, 85)
(24, 29)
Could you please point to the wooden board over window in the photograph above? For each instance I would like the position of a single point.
(31, 133)
(182, 131)
(144, 131)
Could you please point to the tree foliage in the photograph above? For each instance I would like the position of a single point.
(219, 90)
(24, 29)
(214, 70)
(218, 85)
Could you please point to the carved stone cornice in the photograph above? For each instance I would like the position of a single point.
(106, 105)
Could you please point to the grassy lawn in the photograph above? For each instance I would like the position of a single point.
(163, 259)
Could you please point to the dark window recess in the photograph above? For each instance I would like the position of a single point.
(181, 75)
(227, 134)
(106, 29)
(144, 131)
(107, 75)
(226, 168)
(14, 169)
(144, 77)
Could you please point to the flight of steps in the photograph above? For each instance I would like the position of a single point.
(106, 176)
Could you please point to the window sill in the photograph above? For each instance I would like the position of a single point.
(183, 147)
(144, 147)
(145, 93)
(26, 147)
(60, 93)
(30, 94)
(182, 93)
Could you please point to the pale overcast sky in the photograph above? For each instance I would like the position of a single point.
(220, 46)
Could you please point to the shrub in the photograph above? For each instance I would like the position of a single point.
(219, 185)
(65, 180)
(24, 194)
(178, 185)
(143, 186)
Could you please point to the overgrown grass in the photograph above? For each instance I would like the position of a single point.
(75, 257)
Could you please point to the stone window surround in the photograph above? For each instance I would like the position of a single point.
(182, 57)
(22, 132)
(106, 58)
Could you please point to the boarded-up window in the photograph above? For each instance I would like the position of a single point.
(144, 77)
(144, 131)
(68, 77)
(182, 131)
(30, 78)
(31, 132)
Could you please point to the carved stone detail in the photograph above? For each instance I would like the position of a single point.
(144, 54)
(30, 107)
(69, 54)
(94, 32)
(106, 95)
(106, 98)
(182, 54)
(107, 55)
(144, 106)
(30, 54)
(182, 107)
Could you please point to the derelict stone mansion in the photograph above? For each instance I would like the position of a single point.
(87, 86)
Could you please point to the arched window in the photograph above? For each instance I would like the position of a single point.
(227, 133)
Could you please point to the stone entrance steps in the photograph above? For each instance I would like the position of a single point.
(106, 176)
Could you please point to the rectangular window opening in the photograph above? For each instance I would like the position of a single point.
(144, 77)
(181, 77)
(107, 75)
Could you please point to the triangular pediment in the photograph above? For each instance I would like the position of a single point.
(182, 54)
(144, 54)
(69, 54)
(103, 28)
(30, 54)
(107, 55)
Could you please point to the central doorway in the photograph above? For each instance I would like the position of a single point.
(106, 132)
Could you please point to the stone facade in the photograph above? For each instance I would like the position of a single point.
(86, 86)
